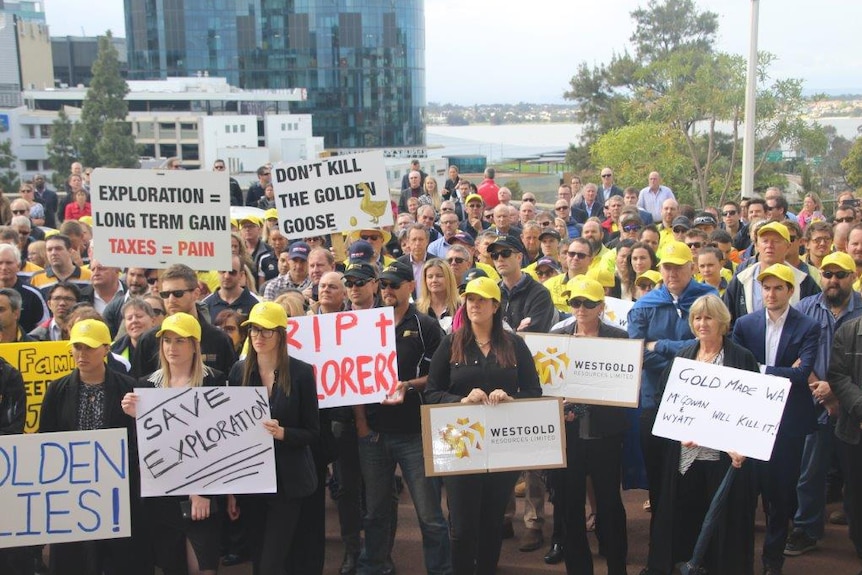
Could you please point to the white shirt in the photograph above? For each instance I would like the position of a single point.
(773, 335)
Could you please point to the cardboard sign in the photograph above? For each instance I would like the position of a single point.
(592, 370)
(40, 363)
(617, 312)
(721, 407)
(64, 487)
(330, 195)
(204, 441)
(352, 352)
(152, 219)
(515, 435)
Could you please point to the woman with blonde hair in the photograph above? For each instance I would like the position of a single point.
(812, 210)
(180, 545)
(431, 195)
(440, 298)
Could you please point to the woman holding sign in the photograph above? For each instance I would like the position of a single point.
(185, 531)
(480, 363)
(272, 520)
(692, 473)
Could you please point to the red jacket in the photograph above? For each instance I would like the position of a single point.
(73, 212)
(488, 190)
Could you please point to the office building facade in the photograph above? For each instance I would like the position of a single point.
(362, 62)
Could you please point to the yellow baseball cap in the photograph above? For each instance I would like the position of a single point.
(676, 253)
(182, 324)
(91, 332)
(603, 275)
(86, 220)
(268, 315)
(585, 287)
(472, 197)
(270, 214)
(776, 227)
(483, 287)
(650, 276)
(781, 271)
(841, 259)
(251, 218)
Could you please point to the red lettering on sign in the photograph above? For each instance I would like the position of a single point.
(136, 247)
(292, 327)
(382, 324)
(362, 374)
(343, 322)
(315, 329)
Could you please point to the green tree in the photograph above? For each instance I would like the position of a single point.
(102, 136)
(8, 162)
(61, 148)
(852, 165)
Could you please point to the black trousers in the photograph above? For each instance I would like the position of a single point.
(851, 464)
(307, 553)
(271, 522)
(653, 453)
(477, 503)
(600, 459)
(778, 478)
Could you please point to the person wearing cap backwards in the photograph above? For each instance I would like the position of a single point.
(785, 343)
(480, 363)
(293, 270)
(593, 448)
(179, 291)
(743, 293)
(391, 434)
(273, 519)
(232, 293)
(660, 318)
(834, 307)
(86, 399)
(177, 542)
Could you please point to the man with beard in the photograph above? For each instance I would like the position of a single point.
(593, 233)
(836, 305)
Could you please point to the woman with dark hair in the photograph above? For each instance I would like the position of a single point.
(692, 473)
(622, 273)
(641, 258)
(181, 546)
(480, 363)
(272, 519)
(230, 321)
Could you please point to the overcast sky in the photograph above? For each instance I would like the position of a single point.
(483, 51)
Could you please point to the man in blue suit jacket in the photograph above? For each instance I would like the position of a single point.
(785, 342)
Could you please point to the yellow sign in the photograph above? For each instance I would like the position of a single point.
(40, 363)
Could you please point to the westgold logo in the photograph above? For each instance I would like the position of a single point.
(551, 365)
(462, 436)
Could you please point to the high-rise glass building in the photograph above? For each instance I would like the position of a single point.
(361, 61)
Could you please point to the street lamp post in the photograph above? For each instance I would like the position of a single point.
(750, 107)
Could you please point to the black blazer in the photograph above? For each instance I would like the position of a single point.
(298, 414)
(60, 405)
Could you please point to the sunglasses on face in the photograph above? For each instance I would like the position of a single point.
(370, 238)
(545, 224)
(846, 219)
(729, 213)
(19, 212)
(578, 255)
(546, 273)
(695, 245)
(456, 261)
(501, 254)
(231, 272)
(177, 293)
(152, 281)
(356, 283)
(531, 200)
(390, 285)
(607, 175)
(840, 275)
(158, 311)
(631, 228)
(577, 303)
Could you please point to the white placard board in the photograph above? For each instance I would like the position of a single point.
(64, 487)
(514, 435)
(154, 218)
(352, 353)
(617, 312)
(592, 370)
(721, 407)
(329, 195)
(204, 441)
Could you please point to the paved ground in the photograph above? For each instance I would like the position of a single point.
(835, 555)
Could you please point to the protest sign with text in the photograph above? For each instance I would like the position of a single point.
(331, 195)
(40, 363)
(64, 487)
(513, 435)
(204, 441)
(617, 311)
(152, 218)
(721, 407)
(592, 370)
(352, 353)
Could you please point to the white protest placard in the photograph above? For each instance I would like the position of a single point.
(153, 218)
(352, 353)
(721, 407)
(64, 487)
(514, 435)
(617, 311)
(331, 195)
(592, 370)
(204, 441)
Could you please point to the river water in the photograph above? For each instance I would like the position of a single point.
(522, 140)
